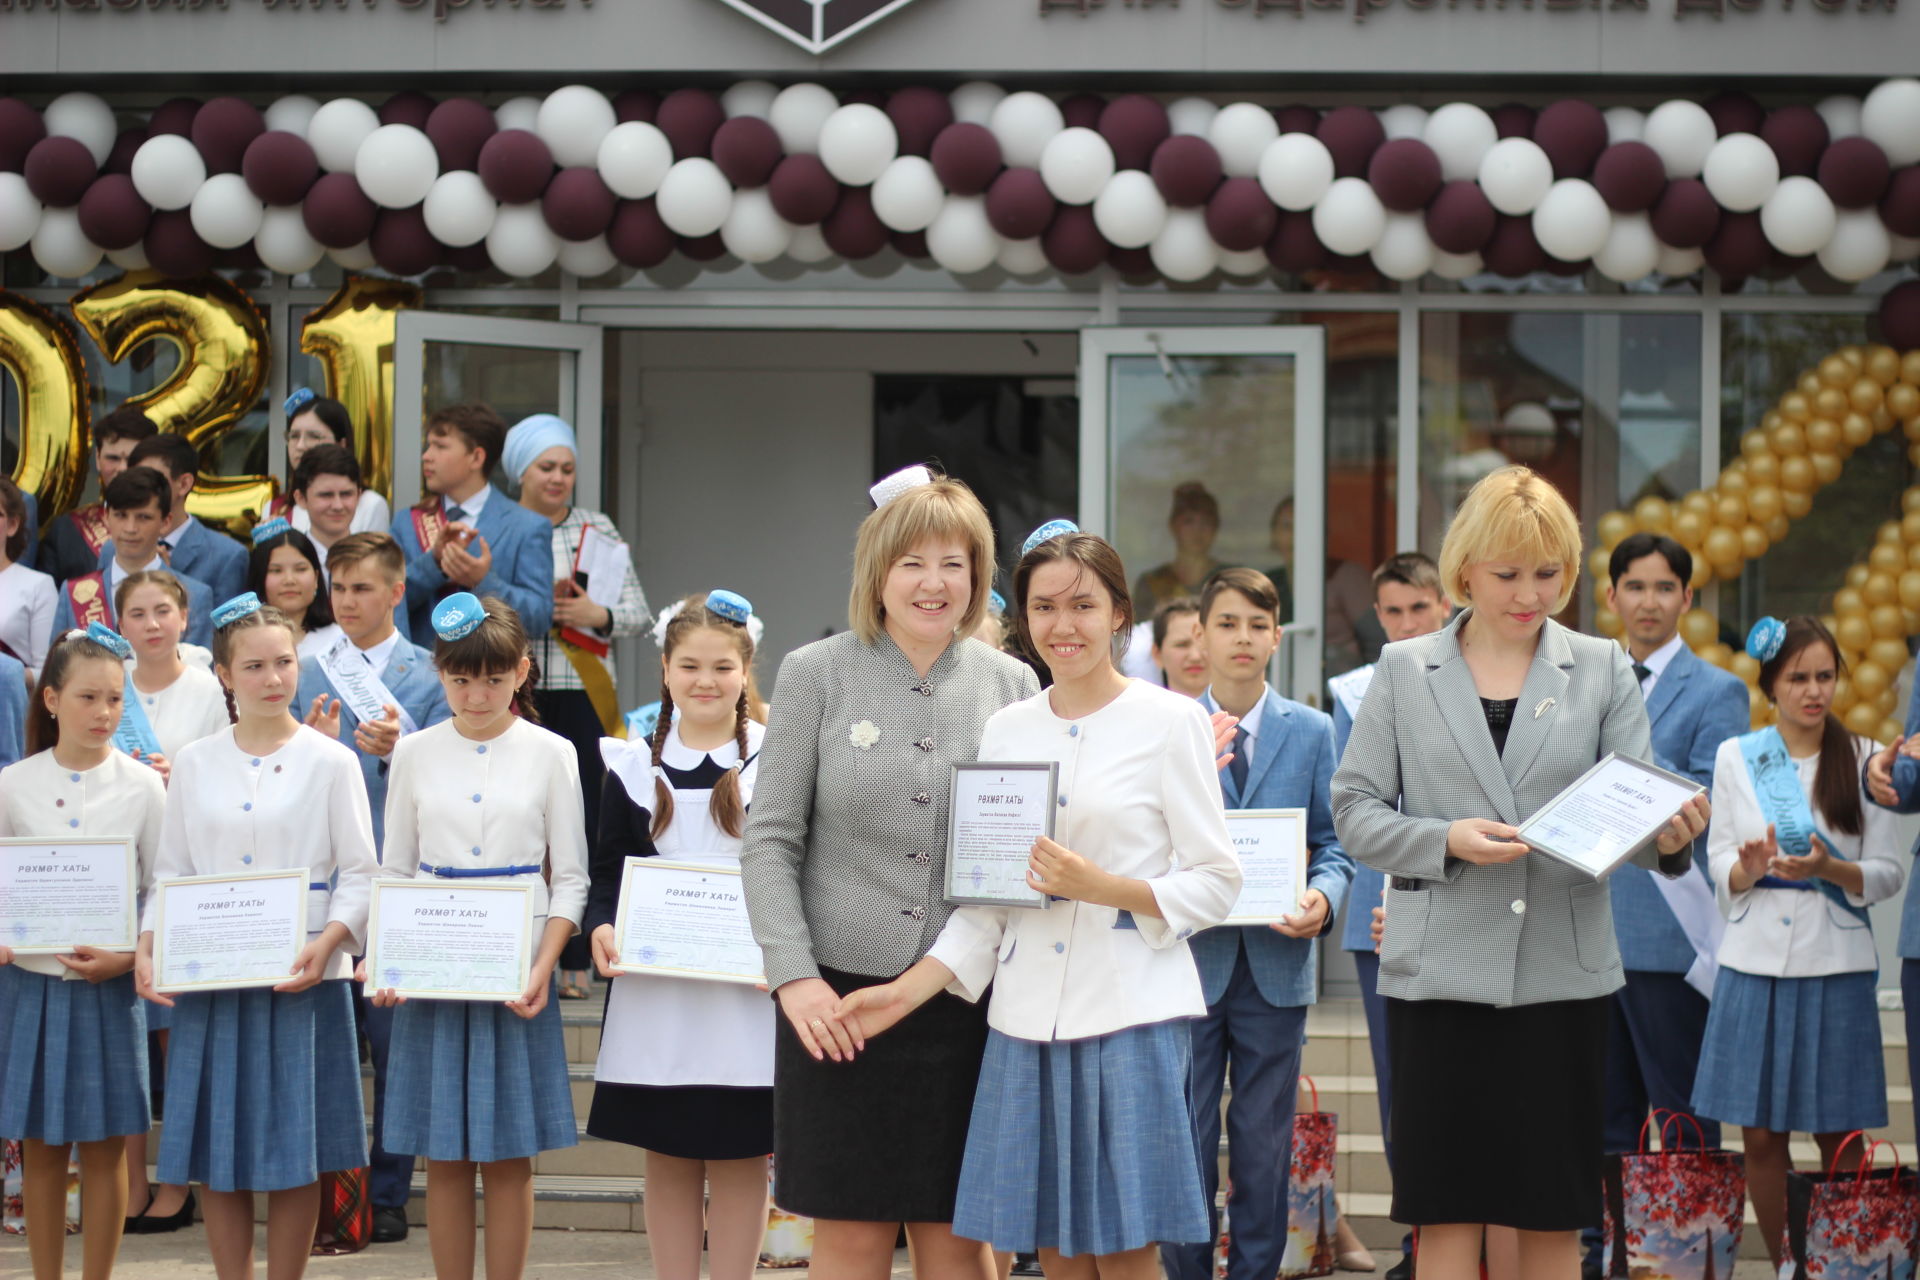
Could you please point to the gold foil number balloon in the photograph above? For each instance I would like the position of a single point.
(51, 377)
(352, 335)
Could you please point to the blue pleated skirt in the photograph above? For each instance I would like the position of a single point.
(1793, 1055)
(73, 1058)
(470, 1080)
(263, 1089)
(1085, 1146)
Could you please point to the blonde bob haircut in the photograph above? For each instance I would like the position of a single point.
(943, 511)
(1512, 514)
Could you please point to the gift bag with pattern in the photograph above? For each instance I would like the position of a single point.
(1674, 1213)
(346, 1214)
(12, 1220)
(1313, 1213)
(789, 1238)
(1862, 1224)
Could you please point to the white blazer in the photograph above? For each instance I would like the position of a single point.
(1139, 796)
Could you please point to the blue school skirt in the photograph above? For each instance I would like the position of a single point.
(473, 1080)
(73, 1058)
(263, 1089)
(1793, 1055)
(1085, 1146)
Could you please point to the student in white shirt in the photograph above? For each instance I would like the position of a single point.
(327, 494)
(28, 597)
(284, 570)
(316, 422)
(182, 701)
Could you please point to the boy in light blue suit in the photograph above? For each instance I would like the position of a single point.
(467, 535)
(138, 502)
(1258, 980)
(193, 550)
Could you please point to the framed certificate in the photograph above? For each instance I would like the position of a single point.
(686, 920)
(999, 808)
(449, 940)
(1608, 813)
(214, 933)
(1272, 844)
(56, 895)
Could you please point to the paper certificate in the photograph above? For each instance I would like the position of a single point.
(443, 940)
(1610, 811)
(217, 932)
(605, 561)
(1272, 844)
(56, 895)
(685, 920)
(999, 808)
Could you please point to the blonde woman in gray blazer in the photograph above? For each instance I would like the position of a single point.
(1496, 961)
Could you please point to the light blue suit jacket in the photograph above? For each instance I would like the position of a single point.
(1906, 780)
(1292, 768)
(411, 679)
(213, 558)
(200, 603)
(1694, 707)
(522, 573)
(1368, 885)
(13, 711)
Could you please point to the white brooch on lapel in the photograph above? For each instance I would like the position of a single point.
(1546, 705)
(864, 734)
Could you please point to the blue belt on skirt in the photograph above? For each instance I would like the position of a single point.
(477, 873)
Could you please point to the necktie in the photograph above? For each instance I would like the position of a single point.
(1238, 765)
(456, 512)
(1641, 671)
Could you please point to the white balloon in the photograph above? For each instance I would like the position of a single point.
(1799, 217)
(1350, 218)
(1130, 211)
(572, 121)
(1457, 266)
(291, 114)
(1295, 171)
(357, 257)
(1860, 247)
(974, 101)
(753, 232)
(86, 117)
(1842, 112)
(1023, 124)
(1631, 252)
(587, 258)
(167, 170)
(961, 239)
(1403, 120)
(633, 159)
(1022, 257)
(798, 113)
(1573, 221)
(1902, 248)
(1515, 175)
(1183, 250)
(908, 195)
(1076, 165)
(224, 212)
(1241, 133)
(1683, 133)
(19, 212)
(396, 166)
(283, 243)
(520, 243)
(459, 211)
(61, 248)
(518, 113)
(1625, 124)
(693, 198)
(1244, 262)
(336, 132)
(131, 258)
(857, 143)
(1460, 134)
(1676, 264)
(1403, 251)
(1741, 172)
(1192, 116)
(748, 98)
(1890, 119)
(809, 244)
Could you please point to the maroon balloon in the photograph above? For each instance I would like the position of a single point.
(1461, 218)
(1900, 316)
(577, 204)
(125, 144)
(59, 171)
(1739, 247)
(173, 248)
(279, 167)
(1798, 135)
(1854, 172)
(175, 115)
(1404, 173)
(1352, 134)
(1293, 246)
(690, 118)
(701, 248)
(20, 127)
(966, 157)
(918, 114)
(1573, 133)
(1186, 169)
(222, 129)
(1019, 206)
(1296, 118)
(746, 148)
(337, 212)
(1630, 176)
(1239, 215)
(1072, 243)
(1512, 120)
(638, 236)
(1511, 250)
(1133, 264)
(853, 230)
(408, 107)
(910, 244)
(112, 214)
(1900, 207)
(243, 257)
(1735, 112)
(1082, 110)
(472, 258)
(401, 243)
(516, 166)
(458, 128)
(802, 190)
(1686, 215)
(1134, 125)
(630, 105)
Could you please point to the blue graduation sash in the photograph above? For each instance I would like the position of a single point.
(135, 733)
(1776, 784)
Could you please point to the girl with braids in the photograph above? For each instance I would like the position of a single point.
(73, 1041)
(686, 1068)
(486, 795)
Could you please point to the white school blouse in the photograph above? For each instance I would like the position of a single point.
(314, 644)
(28, 601)
(512, 801)
(120, 797)
(1797, 933)
(191, 708)
(1139, 795)
(301, 806)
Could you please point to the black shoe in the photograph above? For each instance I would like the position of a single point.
(1401, 1270)
(132, 1224)
(149, 1225)
(1027, 1264)
(389, 1225)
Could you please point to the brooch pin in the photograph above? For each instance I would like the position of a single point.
(1546, 705)
(864, 734)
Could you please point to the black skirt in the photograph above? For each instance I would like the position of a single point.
(570, 713)
(878, 1139)
(1497, 1113)
(692, 1122)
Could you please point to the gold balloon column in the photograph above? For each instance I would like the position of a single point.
(51, 376)
(353, 337)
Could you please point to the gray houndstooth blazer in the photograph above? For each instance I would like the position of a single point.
(1421, 757)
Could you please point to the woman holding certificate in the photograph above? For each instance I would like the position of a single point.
(73, 1042)
(263, 1081)
(1497, 959)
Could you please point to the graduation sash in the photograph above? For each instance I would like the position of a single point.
(92, 523)
(428, 521)
(135, 735)
(1351, 688)
(87, 597)
(360, 686)
(1776, 784)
